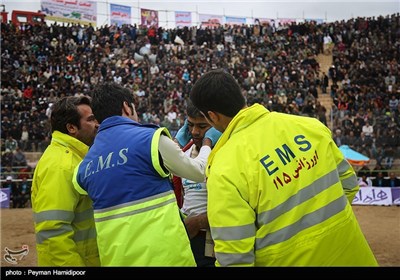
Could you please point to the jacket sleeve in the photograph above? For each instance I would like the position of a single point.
(231, 219)
(179, 164)
(54, 203)
(348, 178)
(347, 175)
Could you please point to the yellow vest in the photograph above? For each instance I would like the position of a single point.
(280, 193)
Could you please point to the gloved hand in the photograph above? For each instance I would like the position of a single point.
(213, 135)
(183, 135)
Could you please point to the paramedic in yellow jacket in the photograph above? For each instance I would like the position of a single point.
(279, 189)
(64, 222)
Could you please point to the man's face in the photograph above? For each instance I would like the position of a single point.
(89, 125)
(217, 125)
(197, 128)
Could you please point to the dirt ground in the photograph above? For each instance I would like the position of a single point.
(380, 224)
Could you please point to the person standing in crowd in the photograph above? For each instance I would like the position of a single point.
(12, 186)
(324, 82)
(19, 158)
(380, 180)
(194, 206)
(25, 192)
(127, 174)
(10, 143)
(64, 223)
(20, 193)
(328, 44)
(393, 181)
(364, 180)
(279, 189)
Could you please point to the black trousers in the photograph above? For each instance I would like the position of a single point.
(198, 244)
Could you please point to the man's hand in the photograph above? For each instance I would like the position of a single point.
(195, 223)
(213, 135)
(183, 135)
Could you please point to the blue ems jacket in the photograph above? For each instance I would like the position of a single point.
(136, 215)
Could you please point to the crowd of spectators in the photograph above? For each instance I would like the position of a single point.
(365, 89)
(275, 65)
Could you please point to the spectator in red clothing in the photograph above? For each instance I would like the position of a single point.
(343, 107)
(151, 33)
(25, 172)
(341, 46)
(28, 93)
(70, 57)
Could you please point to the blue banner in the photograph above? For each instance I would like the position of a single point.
(5, 197)
(120, 14)
(235, 20)
(183, 19)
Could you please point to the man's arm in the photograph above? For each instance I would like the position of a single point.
(179, 164)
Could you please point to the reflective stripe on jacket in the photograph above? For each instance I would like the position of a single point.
(136, 214)
(64, 222)
(279, 194)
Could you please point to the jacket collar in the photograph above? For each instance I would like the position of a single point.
(70, 142)
(115, 120)
(242, 120)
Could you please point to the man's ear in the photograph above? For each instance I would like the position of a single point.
(72, 129)
(213, 116)
(126, 109)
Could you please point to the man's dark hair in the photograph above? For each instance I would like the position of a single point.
(108, 100)
(192, 111)
(65, 111)
(218, 91)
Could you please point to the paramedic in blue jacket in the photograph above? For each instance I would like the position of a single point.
(127, 174)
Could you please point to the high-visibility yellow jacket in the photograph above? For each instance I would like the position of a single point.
(64, 222)
(280, 193)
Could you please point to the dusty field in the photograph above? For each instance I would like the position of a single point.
(381, 226)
